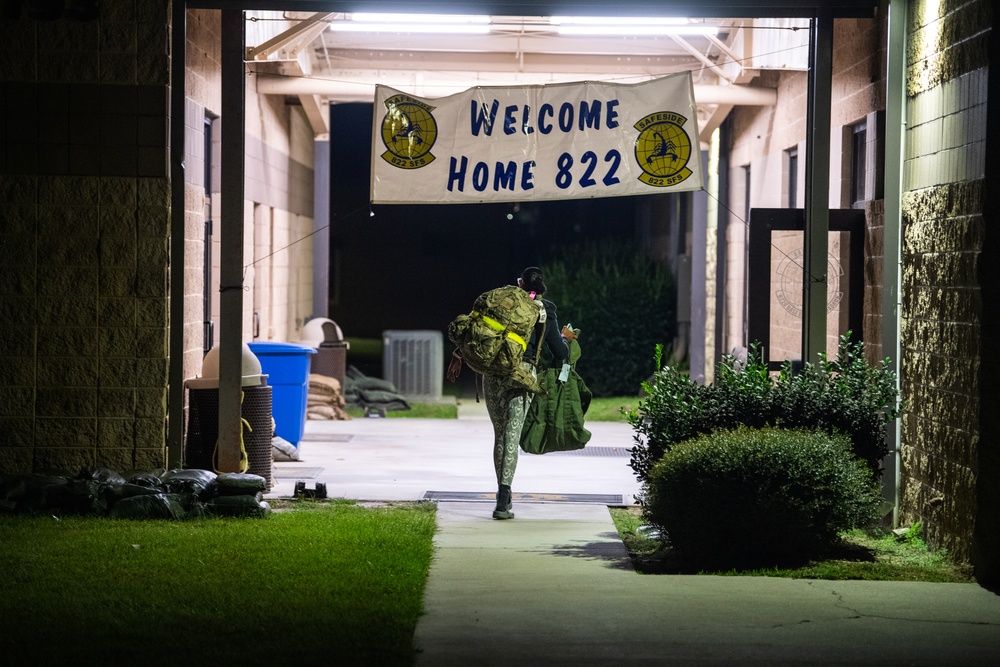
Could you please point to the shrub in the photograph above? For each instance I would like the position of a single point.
(757, 497)
(623, 302)
(842, 396)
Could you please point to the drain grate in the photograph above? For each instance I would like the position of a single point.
(490, 496)
(288, 472)
(596, 451)
(327, 437)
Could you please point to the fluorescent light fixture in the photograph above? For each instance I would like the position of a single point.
(419, 18)
(422, 23)
(619, 20)
(630, 26)
(637, 30)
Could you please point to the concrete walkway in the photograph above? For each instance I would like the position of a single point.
(554, 586)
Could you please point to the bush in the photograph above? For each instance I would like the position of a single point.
(758, 497)
(842, 396)
(623, 302)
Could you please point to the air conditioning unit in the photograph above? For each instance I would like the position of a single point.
(414, 362)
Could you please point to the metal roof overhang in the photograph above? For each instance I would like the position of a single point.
(701, 8)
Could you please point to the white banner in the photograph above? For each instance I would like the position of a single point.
(534, 143)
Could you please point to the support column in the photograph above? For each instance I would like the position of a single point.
(175, 370)
(231, 272)
(817, 195)
(895, 130)
(321, 224)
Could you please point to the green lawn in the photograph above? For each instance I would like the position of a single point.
(314, 583)
(601, 410)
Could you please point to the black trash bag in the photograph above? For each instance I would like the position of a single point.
(115, 492)
(12, 487)
(148, 479)
(238, 506)
(44, 491)
(239, 484)
(191, 480)
(154, 506)
(102, 475)
(190, 503)
(84, 496)
(12, 490)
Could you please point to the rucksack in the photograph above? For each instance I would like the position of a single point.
(492, 338)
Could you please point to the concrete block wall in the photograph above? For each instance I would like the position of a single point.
(84, 219)
(942, 238)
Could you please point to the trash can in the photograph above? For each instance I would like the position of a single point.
(331, 349)
(287, 367)
(203, 416)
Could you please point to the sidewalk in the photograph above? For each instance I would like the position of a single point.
(554, 586)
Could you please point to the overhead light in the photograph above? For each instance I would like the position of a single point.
(630, 26)
(424, 23)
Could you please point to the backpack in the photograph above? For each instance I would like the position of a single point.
(492, 338)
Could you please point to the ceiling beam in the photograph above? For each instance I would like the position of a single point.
(363, 89)
(318, 114)
(348, 60)
(301, 33)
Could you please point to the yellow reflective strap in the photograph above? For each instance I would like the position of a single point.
(497, 326)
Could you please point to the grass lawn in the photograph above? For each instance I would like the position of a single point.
(874, 556)
(609, 409)
(601, 410)
(314, 583)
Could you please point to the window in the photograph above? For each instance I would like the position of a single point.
(208, 326)
(746, 194)
(792, 176)
(859, 164)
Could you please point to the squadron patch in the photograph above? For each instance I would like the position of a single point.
(408, 132)
(662, 149)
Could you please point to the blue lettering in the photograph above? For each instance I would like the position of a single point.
(505, 178)
(457, 175)
(480, 176)
(612, 120)
(566, 116)
(509, 120)
(527, 176)
(480, 121)
(590, 116)
(525, 122)
(546, 110)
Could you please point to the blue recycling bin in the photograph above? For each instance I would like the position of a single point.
(287, 367)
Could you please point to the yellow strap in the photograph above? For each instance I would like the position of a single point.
(496, 326)
(244, 457)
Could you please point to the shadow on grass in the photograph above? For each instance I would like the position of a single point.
(609, 550)
(667, 560)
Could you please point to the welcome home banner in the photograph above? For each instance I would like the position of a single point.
(534, 143)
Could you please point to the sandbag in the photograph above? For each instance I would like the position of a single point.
(190, 480)
(155, 506)
(239, 483)
(238, 506)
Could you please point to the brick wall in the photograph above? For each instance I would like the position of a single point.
(84, 218)
(942, 238)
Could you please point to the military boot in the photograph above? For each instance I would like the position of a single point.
(502, 510)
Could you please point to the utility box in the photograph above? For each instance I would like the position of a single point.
(287, 367)
(414, 362)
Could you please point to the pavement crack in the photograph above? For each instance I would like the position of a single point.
(842, 604)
